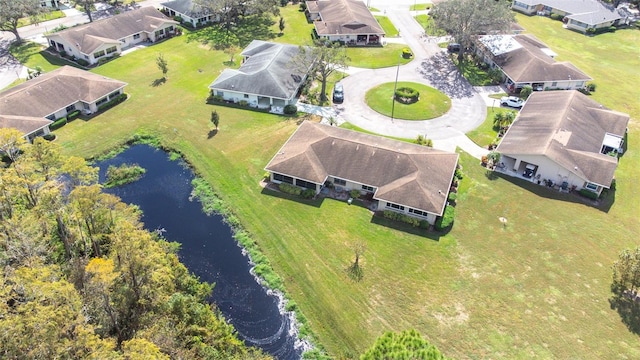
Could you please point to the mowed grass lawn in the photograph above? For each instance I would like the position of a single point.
(536, 288)
(431, 104)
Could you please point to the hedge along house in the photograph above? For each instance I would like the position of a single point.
(190, 12)
(402, 177)
(525, 60)
(347, 21)
(579, 15)
(108, 37)
(32, 106)
(265, 80)
(565, 138)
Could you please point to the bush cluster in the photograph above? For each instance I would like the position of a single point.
(58, 123)
(555, 16)
(446, 220)
(407, 95)
(289, 189)
(588, 194)
(290, 109)
(396, 216)
(406, 53)
(120, 98)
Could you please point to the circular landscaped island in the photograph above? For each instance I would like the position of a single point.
(413, 101)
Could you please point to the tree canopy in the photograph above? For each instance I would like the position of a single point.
(12, 10)
(463, 19)
(407, 345)
(82, 278)
(321, 60)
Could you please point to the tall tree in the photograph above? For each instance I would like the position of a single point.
(626, 272)
(399, 346)
(12, 10)
(87, 6)
(321, 60)
(463, 19)
(281, 24)
(215, 119)
(162, 65)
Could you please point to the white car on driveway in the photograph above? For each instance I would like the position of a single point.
(511, 101)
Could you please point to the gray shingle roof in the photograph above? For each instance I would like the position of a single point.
(55, 90)
(25, 124)
(344, 17)
(267, 72)
(521, 57)
(591, 12)
(569, 128)
(187, 7)
(407, 174)
(89, 37)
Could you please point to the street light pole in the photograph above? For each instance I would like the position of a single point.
(395, 85)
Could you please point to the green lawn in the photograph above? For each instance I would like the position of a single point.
(485, 134)
(419, 7)
(31, 55)
(377, 57)
(473, 73)
(432, 102)
(388, 27)
(297, 30)
(50, 15)
(428, 25)
(536, 288)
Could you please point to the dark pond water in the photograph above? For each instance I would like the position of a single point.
(208, 250)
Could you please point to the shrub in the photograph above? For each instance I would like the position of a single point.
(289, 189)
(584, 91)
(588, 194)
(354, 193)
(123, 174)
(446, 220)
(308, 193)
(526, 91)
(407, 95)
(58, 123)
(396, 216)
(290, 109)
(177, 18)
(452, 197)
(243, 103)
(49, 137)
(63, 53)
(612, 29)
(120, 98)
(591, 31)
(74, 114)
(591, 87)
(459, 174)
(406, 53)
(82, 62)
(217, 98)
(555, 16)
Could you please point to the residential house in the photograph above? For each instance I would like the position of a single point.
(579, 15)
(525, 60)
(54, 4)
(267, 78)
(31, 106)
(566, 139)
(399, 176)
(104, 38)
(348, 21)
(190, 12)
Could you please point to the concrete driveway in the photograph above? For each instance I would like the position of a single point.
(431, 66)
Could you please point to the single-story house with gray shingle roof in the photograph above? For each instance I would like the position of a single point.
(525, 60)
(189, 11)
(564, 137)
(402, 177)
(32, 105)
(104, 38)
(348, 21)
(580, 15)
(266, 78)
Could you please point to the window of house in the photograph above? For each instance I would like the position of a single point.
(418, 212)
(246, 96)
(339, 181)
(592, 186)
(368, 188)
(136, 36)
(98, 54)
(555, 83)
(70, 108)
(111, 49)
(283, 178)
(51, 117)
(395, 206)
(305, 184)
(101, 101)
(114, 94)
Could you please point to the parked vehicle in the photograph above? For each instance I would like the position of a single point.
(512, 101)
(453, 47)
(338, 93)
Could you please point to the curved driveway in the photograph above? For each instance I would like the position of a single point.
(430, 66)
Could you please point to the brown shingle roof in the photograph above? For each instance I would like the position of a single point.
(569, 128)
(25, 124)
(344, 17)
(89, 37)
(407, 174)
(527, 62)
(53, 91)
